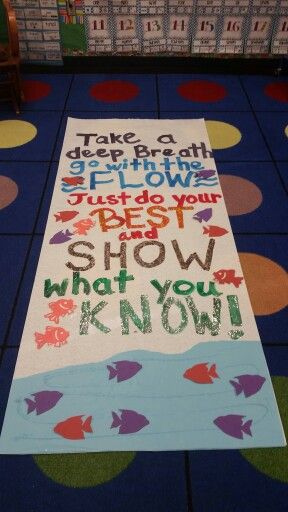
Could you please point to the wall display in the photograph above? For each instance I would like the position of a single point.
(139, 333)
(38, 24)
(50, 29)
(279, 43)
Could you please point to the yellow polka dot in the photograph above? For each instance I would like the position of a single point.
(267, 283)
(222, 135)
(16, 133)
(286, 131)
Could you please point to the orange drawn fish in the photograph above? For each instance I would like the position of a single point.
(214, 231)
(61, 307)
(55, 336)
(83, 226)
(64, 216)
(74, 427)
(227, 276)
(77, 180)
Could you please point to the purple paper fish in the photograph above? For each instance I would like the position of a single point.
(204, 215)
(123, 370)
(129, 421)
(43, 401)
(206, 173)
(61, 237)
(249, 384)
(233, 425)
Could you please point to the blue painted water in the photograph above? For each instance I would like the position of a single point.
(180, 412)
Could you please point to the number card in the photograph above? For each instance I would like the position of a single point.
(181, 6)
(204, 37)
(140, 333)
(179, 34)
(232, 35)
(124, 6)
(259, 34)
(127, 39)
(154, 38)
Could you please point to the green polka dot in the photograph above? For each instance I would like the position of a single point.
(83, 469)
(273, 462)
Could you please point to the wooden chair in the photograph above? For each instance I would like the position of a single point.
(10, 80)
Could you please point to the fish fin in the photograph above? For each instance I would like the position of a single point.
(31, 405)
(40, 339)
(87, 425)
(52, 317)
(113, 372)
(205, 230)
(212, 372)
(116, 420)
(238, 281)
(57, 216)
(246, 427)
(238, 388)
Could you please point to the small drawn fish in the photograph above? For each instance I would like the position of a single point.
(74, 427)
(204, 215)
(249, 384)
(205, 173)
(214, 231)
(123, 370)
(201, 374)
(83, 226)
(76, 180)
(233, 425)
(55, 336)
(64, 216)
(60, 237)
(43, 401)
(227, 276)
(61, 307)
(129, 421)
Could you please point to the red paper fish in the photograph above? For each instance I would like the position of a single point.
(76, 180)
(61, 307)
(64, 216)
(201, 374)
(227, 276)
(55, 336)
(214, 231)
(74, 427)
(83, 226)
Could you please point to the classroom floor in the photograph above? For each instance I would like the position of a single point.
(248, 128)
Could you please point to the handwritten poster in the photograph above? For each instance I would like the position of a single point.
(139, 333)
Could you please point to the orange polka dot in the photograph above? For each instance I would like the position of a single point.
(241, 195)
(267, 283)
(8, 191)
